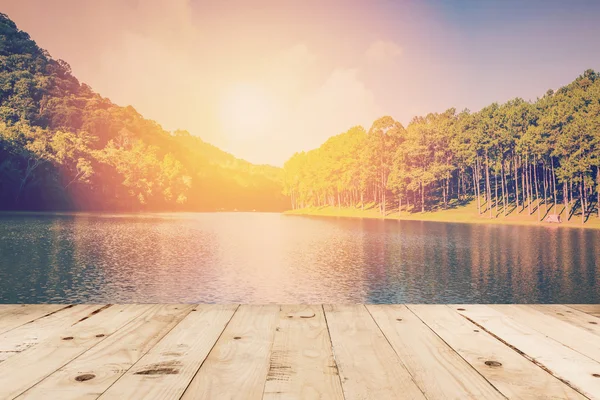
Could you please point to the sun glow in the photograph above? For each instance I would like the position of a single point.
(247, 110)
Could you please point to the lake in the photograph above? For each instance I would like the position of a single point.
(274, 258)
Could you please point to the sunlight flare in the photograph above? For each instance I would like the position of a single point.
(247, 109)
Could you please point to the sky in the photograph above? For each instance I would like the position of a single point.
(263, 79)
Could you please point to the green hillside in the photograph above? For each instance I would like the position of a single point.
(63, 146)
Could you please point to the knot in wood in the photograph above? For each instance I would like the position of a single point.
(493, 363)
(84, 377)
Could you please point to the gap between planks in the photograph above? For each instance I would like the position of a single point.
(296, 351)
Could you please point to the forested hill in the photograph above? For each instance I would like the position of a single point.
(534, 158)
(63, 146)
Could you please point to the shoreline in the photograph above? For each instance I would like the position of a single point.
(461, 215)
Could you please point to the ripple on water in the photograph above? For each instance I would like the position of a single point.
(271, 258)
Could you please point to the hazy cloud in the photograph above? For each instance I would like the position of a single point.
(290, 70)
(341, 102)
(326, 65)
(382, 51)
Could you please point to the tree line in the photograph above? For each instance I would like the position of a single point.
(539, 157)
(63, 146)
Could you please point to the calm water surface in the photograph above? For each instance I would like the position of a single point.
(272, 258)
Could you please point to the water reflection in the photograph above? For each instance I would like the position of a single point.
(271, 258)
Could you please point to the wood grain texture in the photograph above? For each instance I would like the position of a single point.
(167, 369)
(572, 316)
(299, 352)
(238, 365)
(28, 335)
(368, 366)
(19, 373)
(10, 308)
(12, 317)
(559, 360)
(436, 368)
(302, 364)
(515, 376)
(111, 358)
(575, 338)
(592, 309)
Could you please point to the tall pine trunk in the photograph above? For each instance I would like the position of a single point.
(571, 193)
(523, 182)
(585, 196)
(362, 200)
(383, 191)
(422, 197)
(502, 183)
(598, 190)
(476, 190)
(444, 193)
(566, 200)
(488, 184)
(399, 204)
(496, 191)
(527, 185)
(537, 196)
(582, 201)
(545, 175)
(516, 179)
(554, 185)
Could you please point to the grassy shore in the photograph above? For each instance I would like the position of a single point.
(456, 213)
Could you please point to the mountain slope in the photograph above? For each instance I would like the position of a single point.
(63, 146)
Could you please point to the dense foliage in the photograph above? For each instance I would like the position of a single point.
(62, 146)
(540, 158)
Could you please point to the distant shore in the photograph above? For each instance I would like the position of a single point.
(461, 214)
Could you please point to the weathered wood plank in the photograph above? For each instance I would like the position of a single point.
(563, 362)
(578, 339)
(570, 315)
(302, 364)
(19, 373)
(513, 375)
(592, 309)
(436, 368)
(28, 335)
(238, 365)
(435, 352)
(368, 366)
(9, 308)
(111, 358)
(14, 316)
(167, 369)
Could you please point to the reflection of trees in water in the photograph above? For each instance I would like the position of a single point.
(533, 264)
(138, 258)
(36, 258)
(503, 264)
(272, 258)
